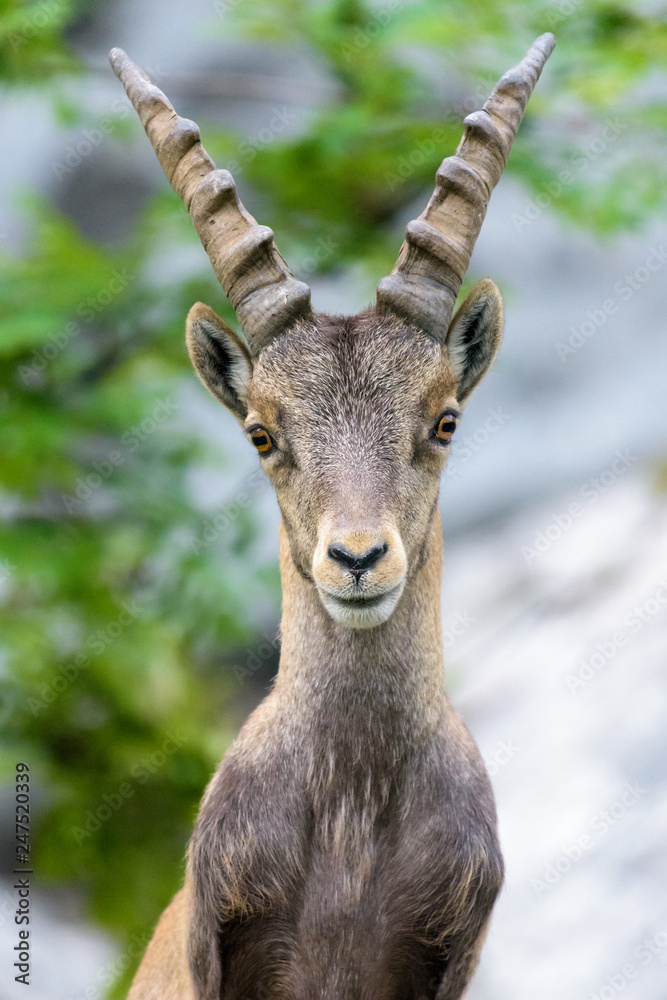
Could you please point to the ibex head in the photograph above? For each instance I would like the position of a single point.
(352, 416)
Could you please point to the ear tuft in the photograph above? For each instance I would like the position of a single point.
(474, 336)
(220, 358)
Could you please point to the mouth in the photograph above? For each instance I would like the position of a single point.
(359, 611)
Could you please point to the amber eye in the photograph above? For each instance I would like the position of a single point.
(261, 440)
(446, 427)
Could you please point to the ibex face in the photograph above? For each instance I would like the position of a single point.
(355, 469)
(352, 417)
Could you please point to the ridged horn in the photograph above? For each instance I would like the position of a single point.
(434, 258)
(256, 280)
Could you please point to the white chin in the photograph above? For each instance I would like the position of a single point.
(358, 614)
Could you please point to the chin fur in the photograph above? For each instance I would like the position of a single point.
(357, 614)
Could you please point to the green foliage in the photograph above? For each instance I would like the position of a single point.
(121, 618)
(120, 622)
(368, 154)
(31, 43)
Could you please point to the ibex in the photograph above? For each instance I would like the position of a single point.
(346, 848)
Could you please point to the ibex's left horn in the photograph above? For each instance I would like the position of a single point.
(423, 287)
(266, 297)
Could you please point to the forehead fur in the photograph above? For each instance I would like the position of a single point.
(342, 366)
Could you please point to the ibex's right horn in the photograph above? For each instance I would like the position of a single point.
(256, 280)
(423, 286)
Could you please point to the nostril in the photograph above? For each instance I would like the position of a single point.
(357, 564)
(342, 555)
(371, 557)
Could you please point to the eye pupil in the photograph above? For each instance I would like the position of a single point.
(262, 441)
(446, 428)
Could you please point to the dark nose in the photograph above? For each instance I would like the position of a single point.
(357, 564)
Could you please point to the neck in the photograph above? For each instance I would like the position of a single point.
(390, 677)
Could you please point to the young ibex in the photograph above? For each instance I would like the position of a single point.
(346, 848)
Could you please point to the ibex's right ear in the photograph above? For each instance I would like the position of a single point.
(220, 358)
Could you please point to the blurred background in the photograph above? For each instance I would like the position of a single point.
(139, 590)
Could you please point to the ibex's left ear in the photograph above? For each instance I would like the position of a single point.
(220, 358)
(474, 336)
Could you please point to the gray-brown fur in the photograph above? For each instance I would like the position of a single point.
(346, 848)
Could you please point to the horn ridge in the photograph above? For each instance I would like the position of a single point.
(423, 286)
(255, 278)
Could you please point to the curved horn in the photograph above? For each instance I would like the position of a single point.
(256, 280)
(426, 280)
